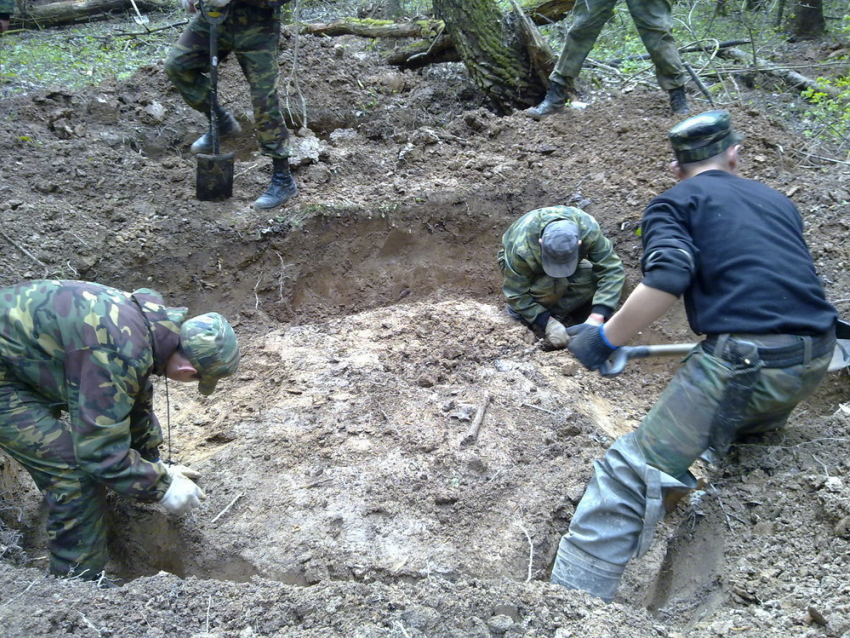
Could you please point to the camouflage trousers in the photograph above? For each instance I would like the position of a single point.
(32, 434)
(677, 429)
(624, 499)
(253, 35)
(653, 22)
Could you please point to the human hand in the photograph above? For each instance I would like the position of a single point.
(182, 496)
(188, 5)
(588, 345)
(556, 334)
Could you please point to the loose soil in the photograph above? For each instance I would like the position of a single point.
(340, 499)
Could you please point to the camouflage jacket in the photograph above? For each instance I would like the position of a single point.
(91, 350)
(7, 6)
(521, 260)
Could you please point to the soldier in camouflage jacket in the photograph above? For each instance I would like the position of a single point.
(554, 260)
(90, 350)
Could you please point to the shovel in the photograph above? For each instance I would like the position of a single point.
(138, 18)
(621, 356)
(214, 176)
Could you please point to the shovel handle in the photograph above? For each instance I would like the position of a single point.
(621, 356)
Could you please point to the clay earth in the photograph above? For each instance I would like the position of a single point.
(341, 502)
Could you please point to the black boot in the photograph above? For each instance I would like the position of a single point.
(227, 127)
(679, 101)
(282, 188)
(556, 98)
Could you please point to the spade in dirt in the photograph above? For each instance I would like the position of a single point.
(214, 176)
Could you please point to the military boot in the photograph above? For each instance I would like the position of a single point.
(679, 101)
(556, 98)
(227, 127)
(282, 187)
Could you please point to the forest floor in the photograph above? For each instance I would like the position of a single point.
(369, 311)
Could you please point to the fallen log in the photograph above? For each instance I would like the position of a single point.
(56, 13)
(375, 28)
(791, 78)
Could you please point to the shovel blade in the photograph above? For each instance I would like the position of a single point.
(214, 177)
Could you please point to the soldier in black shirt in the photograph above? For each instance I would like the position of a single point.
(734, 249)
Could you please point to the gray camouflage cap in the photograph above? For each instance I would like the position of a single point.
(703, 136)
(211, 347)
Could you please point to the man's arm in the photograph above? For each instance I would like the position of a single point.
(101, 386)
(145, 431)
(643, 307)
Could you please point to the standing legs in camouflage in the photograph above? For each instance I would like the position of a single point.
(253, 35)
(652, 19)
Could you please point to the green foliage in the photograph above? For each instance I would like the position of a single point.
(73, 58)
(826, 118)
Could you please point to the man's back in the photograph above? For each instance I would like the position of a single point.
(752, 271)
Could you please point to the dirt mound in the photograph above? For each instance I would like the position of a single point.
(341, 500)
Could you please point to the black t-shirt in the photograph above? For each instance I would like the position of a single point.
(735, 249)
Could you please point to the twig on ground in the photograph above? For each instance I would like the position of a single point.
(256, 296)
(403, 630)
(25, 251)
(823, 465)
(472, 433)
(22, 593)
(315, 483)
(229, 505)
(534, 407)
(209, 604)
(530, 551)
(89, 623)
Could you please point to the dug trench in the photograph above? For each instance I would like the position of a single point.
(340, 500)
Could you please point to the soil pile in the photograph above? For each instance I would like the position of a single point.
(341, 499)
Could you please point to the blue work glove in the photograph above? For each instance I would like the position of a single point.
(589, 345)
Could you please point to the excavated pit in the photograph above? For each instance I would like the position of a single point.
(369, 311)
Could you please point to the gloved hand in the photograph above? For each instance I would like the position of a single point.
(556, 334)
(188, 472)
(188, 5)
(588, 345)
(182, 496)
(216, 4)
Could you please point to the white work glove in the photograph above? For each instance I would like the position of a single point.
(188, 5)
(216, 4)
(556, 334)
(188, 472)
(182, 496)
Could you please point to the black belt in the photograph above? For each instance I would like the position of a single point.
(803, 351)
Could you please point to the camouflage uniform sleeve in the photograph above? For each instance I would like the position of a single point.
(517, 280)
(101, 386)
(145, 431)
(607, 266)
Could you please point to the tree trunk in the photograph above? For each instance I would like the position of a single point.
(375, 28)
(83, 10)
(808, 21)
(491, 46)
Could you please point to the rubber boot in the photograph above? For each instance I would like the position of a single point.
(679, 101)
(556, 98)
(576, 569)
(227, 127)
(281, 189)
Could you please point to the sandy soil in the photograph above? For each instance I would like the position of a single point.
(341, 500)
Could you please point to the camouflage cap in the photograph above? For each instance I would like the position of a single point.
(703, 136)
(210, 345)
